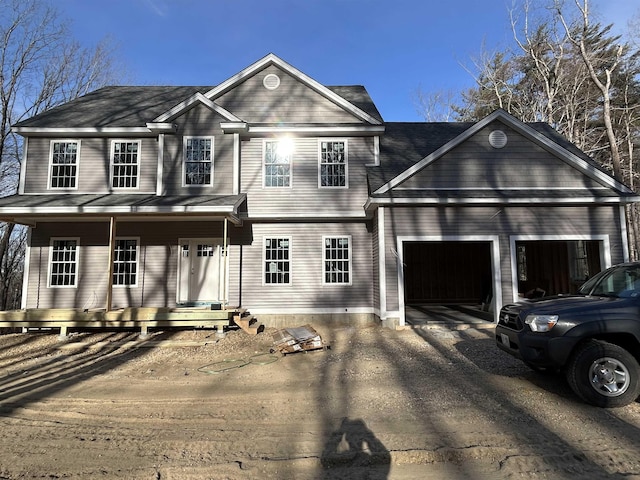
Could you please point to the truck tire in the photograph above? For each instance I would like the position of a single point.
(604, 374)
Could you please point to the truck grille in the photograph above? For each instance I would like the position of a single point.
(510, 320)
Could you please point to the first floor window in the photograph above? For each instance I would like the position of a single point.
(64, 263)
(124, 159)
(64, 164)
(337, 260)
(125, 262)
(333, 164)
(277, 163)
(198, 160)
(277, 261)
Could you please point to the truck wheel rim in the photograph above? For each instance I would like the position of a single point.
(609, 377)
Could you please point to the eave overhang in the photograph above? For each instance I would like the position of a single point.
(317, 130)
(151, 130)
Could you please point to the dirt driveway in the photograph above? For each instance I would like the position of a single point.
(423, 403)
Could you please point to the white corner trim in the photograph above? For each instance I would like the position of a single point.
(382, 258)
(27, 269)
(624, 233)
(23, 167)
(236, 163)
(160, 166)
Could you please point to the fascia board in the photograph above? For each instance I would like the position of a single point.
(272, 59)
(501, 201)
(81, 131)
(320, 129)
(198, 97)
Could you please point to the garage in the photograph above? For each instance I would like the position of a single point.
(447, 272)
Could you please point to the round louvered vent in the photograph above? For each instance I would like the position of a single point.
(497, 139)
(271, 81)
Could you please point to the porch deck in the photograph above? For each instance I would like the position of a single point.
(142, 318)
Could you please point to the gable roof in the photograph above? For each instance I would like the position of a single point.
(407, 148)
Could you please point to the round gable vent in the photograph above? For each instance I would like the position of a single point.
(271, 81)
(497, 139)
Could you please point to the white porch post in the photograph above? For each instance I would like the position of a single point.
(112, 241)
(224, 265)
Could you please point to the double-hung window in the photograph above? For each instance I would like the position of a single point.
(63, 262)
(277, 260)
(125, 166)
(125, 262)
(333, 163)
(64, 164)
(277, 163)
(198, 161)
(337, 260)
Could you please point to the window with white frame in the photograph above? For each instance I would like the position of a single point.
(125, 163)
(333, 163)
(198, 161)
(337, 260)
(277, 261)
(277, 163)
(63, 262)
(125, 262)
(64, 164)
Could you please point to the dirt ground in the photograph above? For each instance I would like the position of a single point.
(426, 403)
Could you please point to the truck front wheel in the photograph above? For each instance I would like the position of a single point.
(604, 374)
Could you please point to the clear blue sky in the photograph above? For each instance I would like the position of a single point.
(392, 47)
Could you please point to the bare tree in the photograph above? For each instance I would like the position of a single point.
(435, 106)
(40, 68)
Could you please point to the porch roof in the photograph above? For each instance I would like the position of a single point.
(27, 209)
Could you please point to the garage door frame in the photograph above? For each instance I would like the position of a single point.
(493, 240)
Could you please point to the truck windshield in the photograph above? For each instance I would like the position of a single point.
(622, 281)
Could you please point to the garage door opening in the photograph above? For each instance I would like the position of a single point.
(552, 267)
(448, 273)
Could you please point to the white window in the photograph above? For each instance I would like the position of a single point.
(63, 262)
(333, 163)
(277, 163)
(277, 260)
(337, 260)
(125, 163)
(63, 170)
(125, 262)
(198, 161)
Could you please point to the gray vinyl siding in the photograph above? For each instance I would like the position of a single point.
(199, 122)
(291, 102)
(94, 166)
(304, 197)
(306, 290)
(504, 222)
(520, 164)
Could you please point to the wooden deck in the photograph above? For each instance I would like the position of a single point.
(142, 318)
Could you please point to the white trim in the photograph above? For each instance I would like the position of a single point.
(605, 252)
(376, 151)
(264, 260)
(83, 131)
(624, 233)
(345, 130)
(138, 272)
(308, 311)
(495, 265)
(500, 201)
(492, 189)
(50, 261)
(112, 165)
(382, 261)
(272, 59)
(346, 162)
(23, 166)
(324, 283)
(184, 160)
(525, 130)
(196, 98)
(77, 164)
(27, 270)
(237, 145)
(313, 215)
(264, 165)
(160, 166)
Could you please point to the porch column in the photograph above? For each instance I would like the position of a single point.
(112, 241)
(224, 264)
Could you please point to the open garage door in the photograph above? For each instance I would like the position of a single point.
(447, 273)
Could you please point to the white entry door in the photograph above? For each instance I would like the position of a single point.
(201, 270)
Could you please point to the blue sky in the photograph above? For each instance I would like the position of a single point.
(392, 47)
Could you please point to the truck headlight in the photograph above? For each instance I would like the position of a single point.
(541, 323)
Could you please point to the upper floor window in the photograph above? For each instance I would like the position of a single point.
(124, 163)
(277, 261)
(337, 260)
(64, 163)
(333, 163)
(125, 262)
(63, 262)
(277, 163)
(198, 161)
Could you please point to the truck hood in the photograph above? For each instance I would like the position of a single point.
(571, 304)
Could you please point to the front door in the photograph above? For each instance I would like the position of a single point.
(201, 271)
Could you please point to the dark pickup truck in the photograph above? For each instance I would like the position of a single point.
(593, 337)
